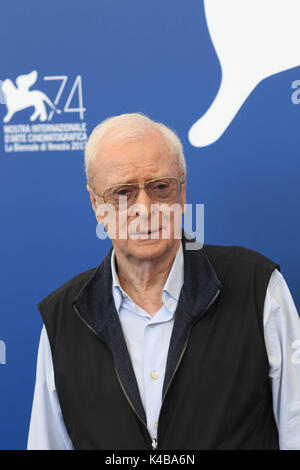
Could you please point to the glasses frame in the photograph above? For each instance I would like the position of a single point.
(141, 185)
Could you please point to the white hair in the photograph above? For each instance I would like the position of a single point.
(125, 127)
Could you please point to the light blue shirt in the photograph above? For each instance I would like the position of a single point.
(148, 346)
(147, 340)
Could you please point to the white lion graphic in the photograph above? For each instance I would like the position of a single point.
(20, 97)
(254, 39)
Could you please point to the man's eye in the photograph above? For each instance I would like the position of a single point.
(161, 186)
(123, 192)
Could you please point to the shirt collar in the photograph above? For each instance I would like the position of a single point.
(172, 286)
(174, 281)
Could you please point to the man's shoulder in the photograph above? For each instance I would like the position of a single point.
(239, 255)
(69, 288)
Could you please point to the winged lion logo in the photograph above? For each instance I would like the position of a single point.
(21, 97)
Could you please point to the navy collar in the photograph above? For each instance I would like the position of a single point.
(172, 285)
(94, 300)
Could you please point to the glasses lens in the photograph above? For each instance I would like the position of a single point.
(121, 195)
(164, 189)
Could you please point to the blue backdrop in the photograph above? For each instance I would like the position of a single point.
(95, 59)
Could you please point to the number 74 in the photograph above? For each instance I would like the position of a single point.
(77, 86)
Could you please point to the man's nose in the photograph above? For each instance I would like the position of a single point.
(145, 201)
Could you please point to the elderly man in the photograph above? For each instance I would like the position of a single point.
(161, 346)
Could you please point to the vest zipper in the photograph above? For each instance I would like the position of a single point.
(180, 358)
(153, 440)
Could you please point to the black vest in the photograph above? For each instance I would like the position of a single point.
(216, 392)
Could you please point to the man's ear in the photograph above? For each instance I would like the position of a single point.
(93, 202)
(183, 192)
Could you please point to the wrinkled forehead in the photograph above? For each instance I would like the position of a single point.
(116, 144)
(134, 159)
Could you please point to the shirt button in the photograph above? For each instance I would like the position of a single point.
(152, 325)
(154, 375)
(155, 425)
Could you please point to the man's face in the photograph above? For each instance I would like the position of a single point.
(137, 161)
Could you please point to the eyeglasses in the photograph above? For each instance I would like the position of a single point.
(163, 189)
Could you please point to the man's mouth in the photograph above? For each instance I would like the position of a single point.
(149, 232)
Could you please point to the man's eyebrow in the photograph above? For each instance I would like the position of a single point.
(127, 181)
(130, 180)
